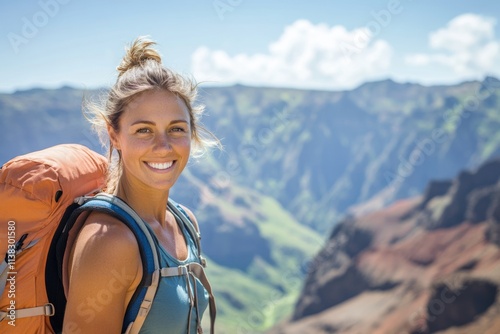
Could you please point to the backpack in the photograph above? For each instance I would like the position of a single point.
(44, 201)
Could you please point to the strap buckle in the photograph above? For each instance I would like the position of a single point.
(49, 309)
(203, 261)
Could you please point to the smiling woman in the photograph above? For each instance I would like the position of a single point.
(152, 127)
(154, 140)
(141, 72)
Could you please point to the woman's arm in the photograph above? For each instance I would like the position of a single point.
(104, 271)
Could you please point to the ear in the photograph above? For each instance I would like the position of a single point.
(113, 137)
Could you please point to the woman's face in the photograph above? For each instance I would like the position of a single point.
(154, 138)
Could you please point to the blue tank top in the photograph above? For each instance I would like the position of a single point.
(169, 312)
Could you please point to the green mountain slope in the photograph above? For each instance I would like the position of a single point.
(322, 153)
(258, 252)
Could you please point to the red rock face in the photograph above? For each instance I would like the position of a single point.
(422, 265)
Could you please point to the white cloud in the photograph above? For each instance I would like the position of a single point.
(467, 45)
(305, 55)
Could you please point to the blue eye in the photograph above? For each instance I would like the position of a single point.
(178, 129)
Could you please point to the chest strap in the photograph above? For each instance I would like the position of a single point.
(192, 270)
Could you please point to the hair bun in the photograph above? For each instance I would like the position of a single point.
(137, 54)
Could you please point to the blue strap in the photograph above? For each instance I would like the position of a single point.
(180, 213)
(107, 206)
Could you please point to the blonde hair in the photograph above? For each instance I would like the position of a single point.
(141, 70)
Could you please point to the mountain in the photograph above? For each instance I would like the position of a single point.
(428, 264)
(322, 154)
(295, 162)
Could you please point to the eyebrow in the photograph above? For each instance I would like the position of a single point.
(153, 123)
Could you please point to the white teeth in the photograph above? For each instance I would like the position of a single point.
(163, 165)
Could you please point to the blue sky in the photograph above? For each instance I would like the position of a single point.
(306, 44)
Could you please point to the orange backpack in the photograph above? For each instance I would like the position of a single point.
(43, 203)
(35, 192)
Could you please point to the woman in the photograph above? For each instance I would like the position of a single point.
(152, 126)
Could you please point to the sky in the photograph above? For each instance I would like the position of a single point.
(327, 45)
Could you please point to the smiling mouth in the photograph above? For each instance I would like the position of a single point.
(160, 165)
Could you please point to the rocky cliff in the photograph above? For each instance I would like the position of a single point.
(429, 264)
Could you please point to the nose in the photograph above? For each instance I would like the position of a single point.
(162, 144)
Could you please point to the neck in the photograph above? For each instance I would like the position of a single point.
(150, 204)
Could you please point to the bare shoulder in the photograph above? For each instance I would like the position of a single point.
(105, 240)
(191, 216)
(105, 266)
(105, 244)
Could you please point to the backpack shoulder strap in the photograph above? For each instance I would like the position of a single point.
(179, 212)
(193, 268)
(140, 304)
